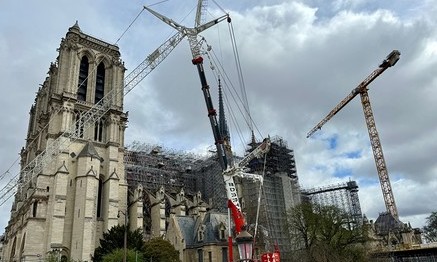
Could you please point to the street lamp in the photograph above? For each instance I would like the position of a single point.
(245, 245)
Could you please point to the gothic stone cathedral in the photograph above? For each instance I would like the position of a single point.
(81, 192)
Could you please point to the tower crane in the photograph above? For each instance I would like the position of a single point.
(381, 167)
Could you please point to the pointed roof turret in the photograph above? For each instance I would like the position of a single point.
(75, 27)
(90, 151)
(223, 125)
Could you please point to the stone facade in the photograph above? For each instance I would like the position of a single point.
(81, 191)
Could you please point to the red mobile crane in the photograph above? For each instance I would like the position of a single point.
(223, 148)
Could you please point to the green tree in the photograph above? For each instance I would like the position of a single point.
(114, 239)
(430, 229)
(325, 233)
(158, 249)
(117, 255)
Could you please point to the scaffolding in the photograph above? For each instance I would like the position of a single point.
(154, 166)
(342, 195)
(280, 192)
(280, 159)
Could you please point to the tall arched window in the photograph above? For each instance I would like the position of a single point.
(100, 83)
(99, 199)
(12, 255)
(83, 79)
(99, 125)
(35, 209)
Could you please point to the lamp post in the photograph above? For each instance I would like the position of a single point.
(245, 245)
(125, 235)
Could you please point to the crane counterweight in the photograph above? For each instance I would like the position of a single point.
(391, 59)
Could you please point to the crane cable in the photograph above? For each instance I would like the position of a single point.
(252, 124)
(231, 95)
(218, 70)
(260, 190)
(215, 63)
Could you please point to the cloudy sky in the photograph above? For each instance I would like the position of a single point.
(299, 59)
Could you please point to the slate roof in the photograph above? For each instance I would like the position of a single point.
(212, 222)
(90, 151)
(186, 224)
(387, 223)
(189, 227)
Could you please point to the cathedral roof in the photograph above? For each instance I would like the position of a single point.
(386, 223)
(90, 151)
(187, 226)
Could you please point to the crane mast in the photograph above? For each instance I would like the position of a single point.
(375, 142)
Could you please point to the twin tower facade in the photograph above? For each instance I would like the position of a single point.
(80, 190)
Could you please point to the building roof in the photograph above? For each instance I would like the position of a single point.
(186, 224)
(212, 222)
(386, 223)
(189, 227)
(90, 151)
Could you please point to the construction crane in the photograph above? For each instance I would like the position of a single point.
(381, 167)
(229, 169)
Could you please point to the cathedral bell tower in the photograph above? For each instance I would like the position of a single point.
(77, 195)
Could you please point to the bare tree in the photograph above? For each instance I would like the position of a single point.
(325, 233)
(430, 229)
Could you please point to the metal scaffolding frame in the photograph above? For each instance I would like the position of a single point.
(154, 166)
(280, 192)
(343, 195)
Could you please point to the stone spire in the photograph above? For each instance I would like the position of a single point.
(223, 126)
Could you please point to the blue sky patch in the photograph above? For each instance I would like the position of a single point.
(353, 154)
(367, 181)
(332, 141)
(342, 172)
